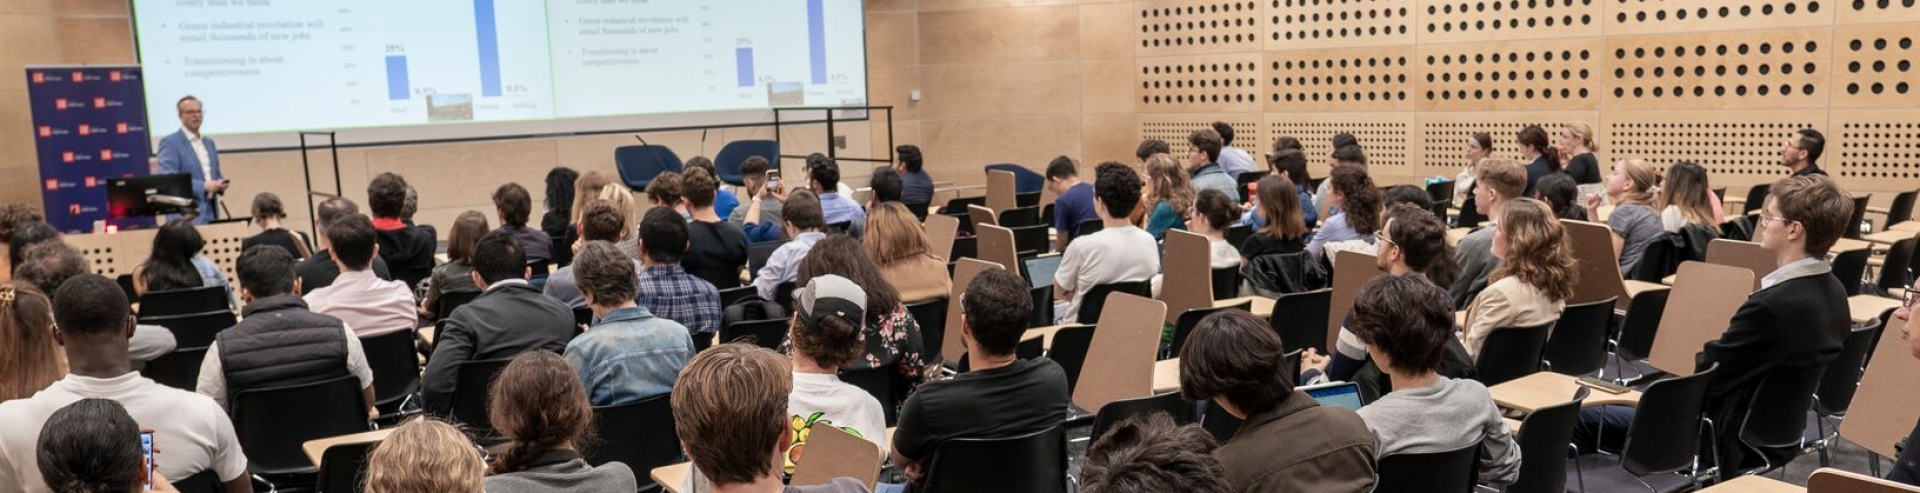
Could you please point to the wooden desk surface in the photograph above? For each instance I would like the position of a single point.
(318, 447)
(1754, 484)
(1543, 389)
(1866, 308)
(1454, 235)
(1166, 376)
(1513, 426)
(670, 477)
(1849, 244)
(1261, 306)
(1908, 226)
(1888, 237)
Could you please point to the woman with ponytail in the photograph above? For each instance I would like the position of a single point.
(1543, 159)
(1633, 221)
(540, 405)
(29, 358)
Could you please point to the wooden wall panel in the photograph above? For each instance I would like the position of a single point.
(1297, 24)
(1181, 27)
(1443, 21)
(1351, 79)
(1678, 16)
(1775, 68)
(1738, 148)
(1875, 11)
(1175, 128)
(1108, 30)
(1558, 74)
(1445, 134)
(1874, 148)
(1009, 35)
(1388, 138)
(1000, 89)
(1184, 84)
(1874, 66)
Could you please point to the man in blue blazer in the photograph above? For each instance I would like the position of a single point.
(186, 151)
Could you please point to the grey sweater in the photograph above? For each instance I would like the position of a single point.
(1445, 416)
(568, 475)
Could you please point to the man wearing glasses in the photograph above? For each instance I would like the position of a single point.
(186, 151)
(1802, 152)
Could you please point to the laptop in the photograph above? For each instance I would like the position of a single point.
(1336, 394)
(1040, 270)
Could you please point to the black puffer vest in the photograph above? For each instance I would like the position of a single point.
(280, 343)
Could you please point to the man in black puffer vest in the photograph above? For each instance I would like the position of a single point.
(278, 342)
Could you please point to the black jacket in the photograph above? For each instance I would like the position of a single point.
(1793, 327)
(501, 323)
(409, 252)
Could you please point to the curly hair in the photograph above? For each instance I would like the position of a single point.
(539, 403)
(560, 181)
(387, 195)
(1538, 251)
(425, 455)
(1361, 199)
(1149, 453)
(1168, 182)
(14, 215)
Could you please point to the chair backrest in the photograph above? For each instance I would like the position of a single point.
(1112, 414)
(1756, 198)
(195, 329)
(841, 227)
(470, 394)
(730, 295)
(879, 382)
(1226, 283)
(1088, 227)
(1470, 215)
(727, 163)
(1901, 209)
(446, 303)
(1042, 313)
(832, 453)
(1511, 353)
(1440, 192)
(1842, 377)
(638, 165)
(758, 253)
(957, 206)
(1829, 480)
(1578, 345)
(1029, 241)
(1189, 319)
(1777, 416)
(1664, 436)
(1031, 463)
(200, 482)
(1096, 297)
(1301, 319)
(582, 316)
(272, 423)
(932, 317)
(1218, 422)
(1885, 405)
(638, 434)
(1241, 183)
(1549, 432)
(1069, 350)
(395, 364)
(1450, 471)
(1025, 215)
(1642, 324)
(765, 333)
(183, 301)
(1858, 218)
(1237, 234)
(1850, 267)
(179, 369)
(1027, 199)
(342, 467)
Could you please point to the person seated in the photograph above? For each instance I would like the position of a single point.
(1683, 200)
(718, 249)
(1801, 155)
(13, 215)
(836, 206)
(1633, 222)
(425, 456)
(1149, 454)
(1232, 160)
(1406, 323)
(664, 191)
(46, 266)
(1560, 194)
(898, 244)
(1535, 277)
(724, 201)
(1212, 213)
(1170, 193)
(1346, 152)
(916, 184)
(93, 446)
(803, 223)
(1029, 395)
(1500, 182)
(407, 248)
(585, 189)
(176, 262)
(1542, 157)
(94, 322)
(1796, 323)
(761, 219)
(666, 288)
(884, 186)
(365, 302)
(319, 270)
(27, 342)
(269, 213)
(1203, 157)
(1906, 467)
(1291, 164)
(542, 410)
(508, 318)
(622, 200)
(1072, 202)
(278, 341)
(557, 220)
(892, 337)
(1119, 252)
(1356, 205)
(825, 332)
(513, 205)
(26, 236)
(730, 414)
(630, 353)
(456, 276)
(1275, 197)
(601, 221)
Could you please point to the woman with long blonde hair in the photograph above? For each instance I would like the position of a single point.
(425, 456)
(1633, 220)
(622, 200)
(1171, 193)
(1535, 276)
(30, 360)
(1685, 199)
(898, 244)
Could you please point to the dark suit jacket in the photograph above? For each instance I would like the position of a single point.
(1796, 326)
(501, 323)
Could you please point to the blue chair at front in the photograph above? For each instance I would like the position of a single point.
(1024, 180)
(728, 162)
(639, 164)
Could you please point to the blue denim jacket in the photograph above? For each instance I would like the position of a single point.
(629, 355)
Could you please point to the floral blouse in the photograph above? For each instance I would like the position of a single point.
(892, 339)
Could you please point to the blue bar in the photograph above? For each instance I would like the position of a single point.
(743, 65)
(397, 77)
(817, 39)
(488, 34)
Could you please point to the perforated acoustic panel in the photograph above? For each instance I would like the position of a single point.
(1776, 68)
(1355, 79)
(1199, 26)
(1679, 16)
(1486, 20)
(1445, 135)
(1387, 138)
(1878, 146)
(1175, 128)
(1297, 24)
(1873, 11)
(1875, 66)
(1535, 75)
(1199, 83)
(1738, 148)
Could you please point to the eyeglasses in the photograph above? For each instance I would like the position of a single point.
(1380, 238)
(1765, 217)
(963, 304)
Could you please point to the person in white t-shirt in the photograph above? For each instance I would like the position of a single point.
(1119, 252)
(94, 321)
(826, 336)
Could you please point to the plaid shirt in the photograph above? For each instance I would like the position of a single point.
(671, 293)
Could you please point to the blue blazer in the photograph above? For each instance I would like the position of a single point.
(176, 156)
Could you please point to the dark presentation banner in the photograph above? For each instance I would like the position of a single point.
(89, 124)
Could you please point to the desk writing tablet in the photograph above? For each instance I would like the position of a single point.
(1744, 254)
(1187, 273)
(316, 448)
(941, 230)
(996, 245)
(1886, 406)
(1002, 191)
(1350, 271)
(1828, 479)
(1698, 311)
(1888, 237)
(1166, 376)
(831, 452)
(1754, 484)
(671, 476)
(1546, 388)
(1119, 362)
(1866, 308)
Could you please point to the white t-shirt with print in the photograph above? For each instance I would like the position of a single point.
(822, 399)
(192, 433)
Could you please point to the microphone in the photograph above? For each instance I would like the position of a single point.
(643, 140)
(703, 141)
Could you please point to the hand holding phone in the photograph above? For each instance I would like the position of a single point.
(146, 452)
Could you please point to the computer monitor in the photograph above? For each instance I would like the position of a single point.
(128, 197)
(1337, 394)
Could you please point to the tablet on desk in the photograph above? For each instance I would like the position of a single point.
(1040, 270)
(1337, 394)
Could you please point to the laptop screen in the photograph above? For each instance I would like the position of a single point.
(1040, 270)
(1340, 394)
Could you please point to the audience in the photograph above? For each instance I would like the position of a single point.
(1288, 441)
(803, 222)
(542, 410)
(1232, 159)
(268, 213)
(370, 305)
(559, 202)
(513, 206)
(46, 266)
(724, 201)
(1203, 154)
(319, 270)
(836, 206)
(1292, 165)
(176, 262)
(622, 200)
(1149, 454)
(407, 248)
(664, 286)
(456, 276)
(602, 221)
(884, 186)
(1500, 181)
(1633, 221)
(30, 358)
(425, 456)
(891, 336)
(730, 413)
(93, 446)
(1029, 395)
(1119, 252)
(1561, 195)
(1171, 194)
(1149, 147)
(1576, 141)
(1802, 152)
(586, 189)
(1405, 323)
(94, 322)
(1479, 146)
(664, 191)
(1275, 198)
(1412, 243)
(761, 220)
(718, 249)
(1683, 199)
(826, 330)
(916, 184)
(1356, 205)
(1535, 277)
(1072, 202)
(13, 215)
(898, 244)
(508, 318)
(1542, 158)
(631, 353)
(279, 342)
(1345, 153)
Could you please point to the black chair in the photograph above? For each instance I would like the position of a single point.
(638, 434)
(195, 329)
(1218, 422)
(1511, 353)
(1635, 340)
(765, 333)
(878, 382)
(1026, 198)
(1046, 214)
(582, 316)
(1470, 215)
(1241, 183)
(932, 317)
(1088, 227)
(126, 287)
(1226, 283)
(1547, 442)
(841, 227)
(1661, 442)
(1031, 463)
(1042, 314)
(1112, 414)
(1301, 319)
(919, 209)
(1858, 219)
(1578, 345)
(273, 423)
(732, 156)
(783, 295)
(1026, 215)
(470, 396)
(1850, 267)
(183, 302)
(445, 303)
(1030, 348)
(200, 482)
(1756, 198)
(1901, 209)
(1096, 298)
(757, 254)
(1237, 235)
(1070, 346)
(179, 369)
(1451, 471)
(1893, 274)
(1776, 419)
(342, 466)
(1183, 326)
(396, 368)
(1029, 241)
(1837, 386)
(957, 206)
(731, 295)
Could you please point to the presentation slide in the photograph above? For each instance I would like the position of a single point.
(281, 66)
